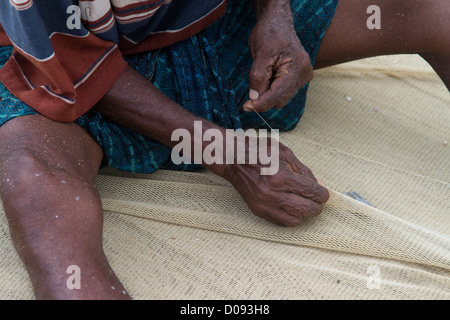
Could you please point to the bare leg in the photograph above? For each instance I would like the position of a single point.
(407, 27)
(48, 172)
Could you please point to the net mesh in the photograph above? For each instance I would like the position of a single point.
(376, 127)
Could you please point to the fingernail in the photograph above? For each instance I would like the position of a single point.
(253, 94)
(321, 183)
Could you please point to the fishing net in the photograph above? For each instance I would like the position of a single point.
(375, 131)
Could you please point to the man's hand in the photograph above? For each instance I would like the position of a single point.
(285, 198)
(281, 65)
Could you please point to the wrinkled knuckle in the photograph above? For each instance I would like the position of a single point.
(316, 192)
(308, 172)
(301, 211)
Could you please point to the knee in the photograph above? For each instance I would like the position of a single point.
(36, 153)
(19, 169)
(34, 193)
(32, 177)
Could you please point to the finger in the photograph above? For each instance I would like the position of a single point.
(306, 188)
(259, 80)
(280, 217)
(323, 184)
(277, 96)
(259, 77)
(297, 166)
(299, 206)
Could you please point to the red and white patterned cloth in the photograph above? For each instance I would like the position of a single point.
(66, 57)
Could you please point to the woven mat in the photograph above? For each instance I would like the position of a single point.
(374, 128)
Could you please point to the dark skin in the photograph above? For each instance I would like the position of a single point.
(284, 198)
(301, 194)
(280, 67)
(56, 224)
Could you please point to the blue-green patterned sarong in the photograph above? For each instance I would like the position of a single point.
(207, 74)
